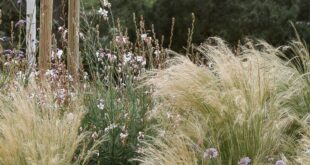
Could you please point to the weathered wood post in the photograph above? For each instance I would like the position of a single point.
(45, 45)
(73, 38)
(31, 33)
(1, 49)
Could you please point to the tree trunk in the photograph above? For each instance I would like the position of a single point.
(31, 33)
(45, 46)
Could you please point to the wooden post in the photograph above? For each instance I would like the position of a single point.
(1, 49)
(73, 38)
(0, 16)
(45, 45)
(31, 33)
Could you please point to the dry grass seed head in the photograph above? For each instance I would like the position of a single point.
(237, 95)
(32, 135)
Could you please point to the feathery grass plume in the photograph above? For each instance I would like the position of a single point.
(303, 152)
(32, 134)
(236, 98)
(295, 97)
(170, 150)
(296, 91)
(175, 147)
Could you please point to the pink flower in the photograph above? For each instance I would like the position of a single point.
(244, 161)
(280, 162)
(20, 23)
(210, 153)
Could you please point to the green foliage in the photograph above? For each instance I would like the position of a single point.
(126, 109)
(230, 19)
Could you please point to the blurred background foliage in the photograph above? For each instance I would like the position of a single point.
(229, 19)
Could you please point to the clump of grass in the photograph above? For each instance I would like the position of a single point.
(36, 134)
(235, 99)
(178, 149)
(295, 96)
(303, 151)
(296, 90)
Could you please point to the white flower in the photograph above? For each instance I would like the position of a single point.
(59, 53)
(157, 53)
(85, 76)
(82, 35)
(127, 57)
(111, 57)
(95, 135)
(101, 104)
(97, 54)
(110, 127)
(60, 29)
(100, 54)
(121, 39)
(123, 135)
(106, 3)
(103, 13)
(139, 59)
(140, 136)
(143, 36)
